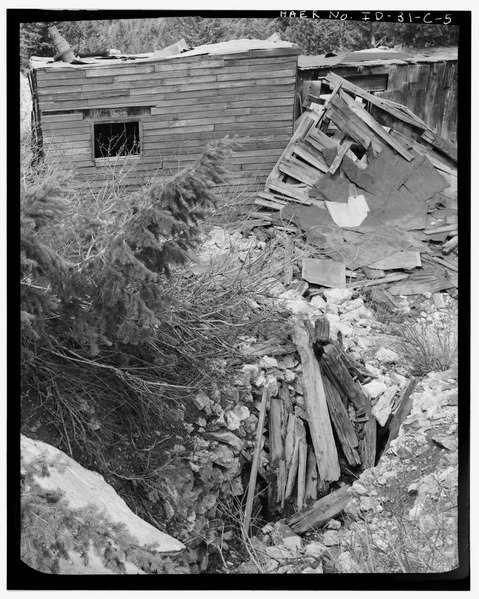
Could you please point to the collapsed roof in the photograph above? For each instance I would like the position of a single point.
(367, 196)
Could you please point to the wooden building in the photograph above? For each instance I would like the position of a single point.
(424, 80)
(150, 115)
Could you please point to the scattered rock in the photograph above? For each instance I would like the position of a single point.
(330, 538)
(337, 296)
(315, 548)
(386, 356)
(374, 388)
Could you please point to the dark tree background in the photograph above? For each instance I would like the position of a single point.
(147, 35)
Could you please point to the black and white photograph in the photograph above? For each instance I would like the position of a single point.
(239, 348)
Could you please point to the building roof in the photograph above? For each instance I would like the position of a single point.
(375, 56)
(221, 48)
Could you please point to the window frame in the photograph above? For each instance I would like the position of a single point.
(106, 160)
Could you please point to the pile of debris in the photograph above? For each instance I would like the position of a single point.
(328, 416)
(376, 195)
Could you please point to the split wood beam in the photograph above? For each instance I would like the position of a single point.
(375, 126)
(320, 512)
(316, 405)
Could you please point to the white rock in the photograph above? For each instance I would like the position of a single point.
(388, 356)
(232, 420)
(310, 570)
(295, 303)
(398, 379)
(333, 524)
(315, 548)
(318, 302)
(289, 375)
(358, 489)
(81, 488)
(351, 305)
(201, 400)
(331, 538)
(242, 412)
(346, 563)
(374, 388)
(268, 362)
(337, 296)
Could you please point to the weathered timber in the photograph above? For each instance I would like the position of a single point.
(450, 245)
(320, 512)
(311, 476)
(316, 406)
(288, 261)
(342, 424)
(404, 115)
(374, 125)
(367, 445)
(293, 470)
(321, 332)
(277, 414)
(288, 404)
(302, 464)
(289, 440)
(307, 122)
(402, 412)
(382, 281)
(337, 372)
(255, 463)
(342, 150)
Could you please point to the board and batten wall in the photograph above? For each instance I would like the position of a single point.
(428, 89)
(180, 103)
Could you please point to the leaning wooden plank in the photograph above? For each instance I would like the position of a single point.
(375, 126)
(307, 122)
(268, 204)
(302, 464)
(289, 440)
(277, 483)
(342, 150)
(296, 193)
(440, 144)
(382, 103)
(316, 406)
(293, 470)
(342, 424)
(320, 512)
(367, 446)
(342, 117)
(450, 245)
(311, 476)
(402, 412)
(305, 151)
(337, 372)
(299, 170)
(255, 464)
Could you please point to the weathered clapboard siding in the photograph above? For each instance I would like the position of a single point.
(184, 102)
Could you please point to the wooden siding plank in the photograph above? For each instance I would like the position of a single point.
(86, 96)
(62, 118)
(275, 74)
(137, 69)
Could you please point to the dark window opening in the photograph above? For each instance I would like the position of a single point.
(117, 139)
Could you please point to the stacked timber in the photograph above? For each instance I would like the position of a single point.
(316, 432)
(241, 89)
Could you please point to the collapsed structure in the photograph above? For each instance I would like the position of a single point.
(366, 195)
